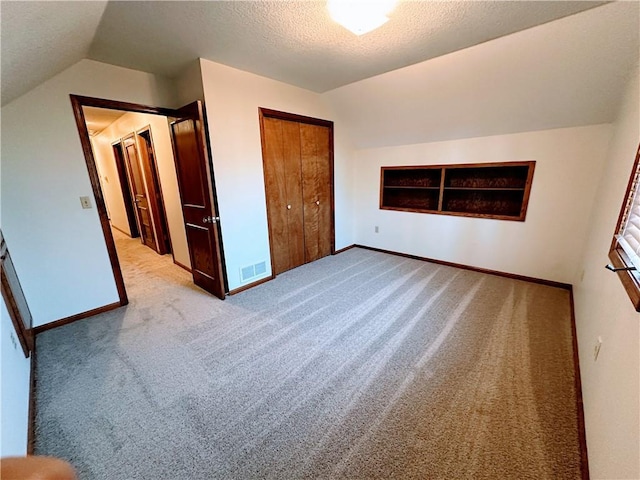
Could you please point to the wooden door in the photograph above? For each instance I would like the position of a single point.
(316, 178)
(129, 208)
(138, 190)
(298, 157)
(283, 177)
(195, 183)
(149, 166)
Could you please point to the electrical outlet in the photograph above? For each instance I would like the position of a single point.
(85, 202)
(596, 349)
(375, 229)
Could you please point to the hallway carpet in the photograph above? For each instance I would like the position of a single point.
(361, 365)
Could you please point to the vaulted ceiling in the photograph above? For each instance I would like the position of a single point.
(292, 41)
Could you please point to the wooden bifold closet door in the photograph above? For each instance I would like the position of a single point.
(297, 160)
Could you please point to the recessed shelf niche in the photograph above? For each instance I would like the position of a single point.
(486, 190)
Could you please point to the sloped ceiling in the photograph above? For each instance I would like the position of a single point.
(566, 73)
(291, 41)
(297, 42)
(41, 39)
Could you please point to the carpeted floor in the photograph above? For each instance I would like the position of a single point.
(361, 365)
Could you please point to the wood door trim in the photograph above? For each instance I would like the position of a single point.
(117, 105)
(292, 117)
(77, 103)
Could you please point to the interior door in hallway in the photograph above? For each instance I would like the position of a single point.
(139, 193)
(298, 158)
(197, 196)
(152, 177)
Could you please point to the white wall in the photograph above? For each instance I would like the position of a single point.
(133, 122)
(57, 247)
(14, 389)
(110, 183)
(189, 85)
(611, 385)
(547, 245)
(232, 99)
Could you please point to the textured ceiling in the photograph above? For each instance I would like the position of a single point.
(566, 73)
(296, 41)
(292, 41)
(40, 39)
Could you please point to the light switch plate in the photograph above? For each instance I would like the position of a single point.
(85, 202)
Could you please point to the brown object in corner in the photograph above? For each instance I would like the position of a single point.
(15, 300)
(36, 468)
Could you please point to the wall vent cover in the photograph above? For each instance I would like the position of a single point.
(251, 271)
(260, 268)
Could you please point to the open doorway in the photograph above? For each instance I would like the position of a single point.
(162, 157)
(135, 163)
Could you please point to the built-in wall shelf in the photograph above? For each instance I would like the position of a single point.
(486, 190)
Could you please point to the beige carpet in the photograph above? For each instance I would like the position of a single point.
(361, 365)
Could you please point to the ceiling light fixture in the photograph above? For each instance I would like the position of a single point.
(360, 16)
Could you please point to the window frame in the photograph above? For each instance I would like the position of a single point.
(619, 259)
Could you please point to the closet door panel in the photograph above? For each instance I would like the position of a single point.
(310, 186)
(274, 174)
(317, 189)
(294, 189)
(325, 195)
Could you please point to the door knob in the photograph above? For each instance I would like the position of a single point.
(288, 207)
(317, 202)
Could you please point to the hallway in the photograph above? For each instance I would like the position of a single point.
(146, 273)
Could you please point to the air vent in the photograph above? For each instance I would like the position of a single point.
(251, 271)
(260, 268)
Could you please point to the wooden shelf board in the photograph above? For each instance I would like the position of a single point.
(487, 189)
(486, 199)
(411, 187)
